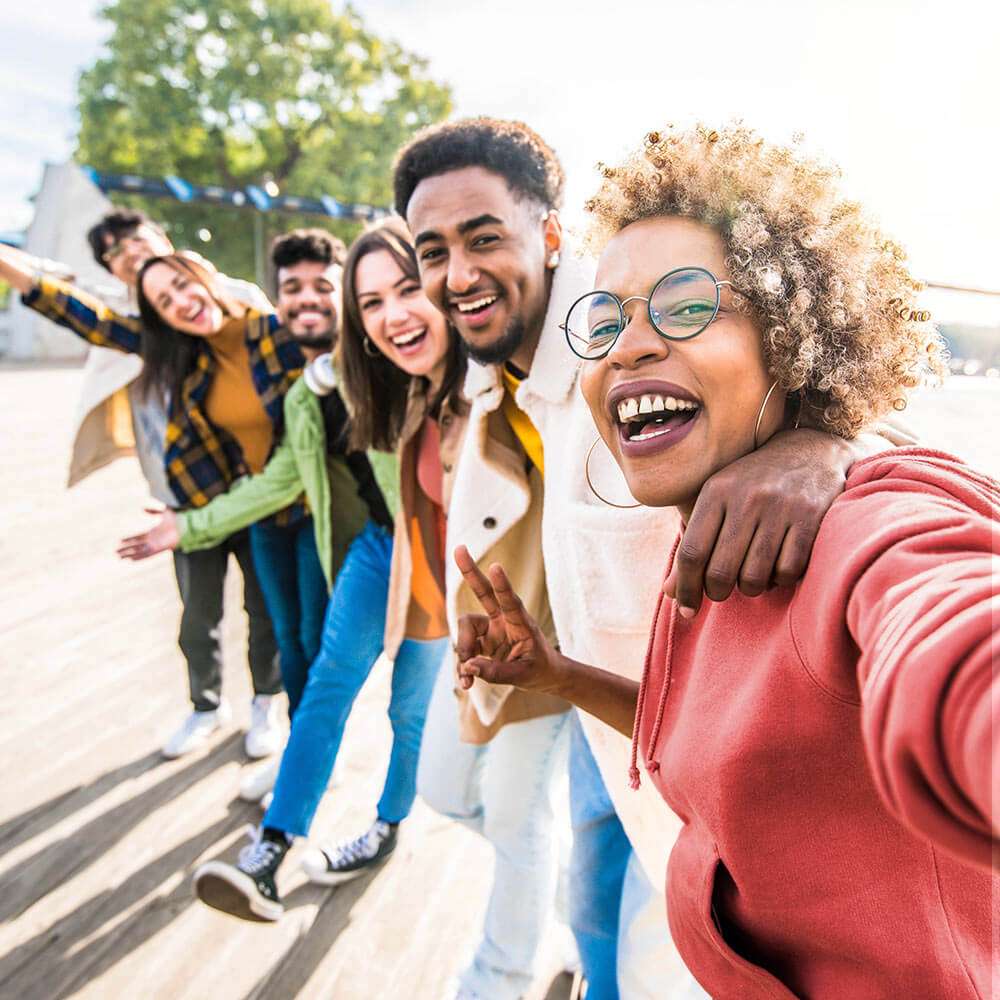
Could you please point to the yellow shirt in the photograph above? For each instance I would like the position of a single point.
(520, 422)
(232, 402)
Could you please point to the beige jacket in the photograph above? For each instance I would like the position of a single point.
(453, 424)
(496, 511)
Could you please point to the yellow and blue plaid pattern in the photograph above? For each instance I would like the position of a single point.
(202, 460)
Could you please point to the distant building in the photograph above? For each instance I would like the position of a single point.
(66, 206)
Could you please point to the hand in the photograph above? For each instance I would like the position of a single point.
(159, 538)
(755, 521)
(505, 645)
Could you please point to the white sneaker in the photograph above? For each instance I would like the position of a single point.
(259, 781)
(195, 730)
(265, 735)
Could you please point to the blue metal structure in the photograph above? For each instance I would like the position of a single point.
(249, 197)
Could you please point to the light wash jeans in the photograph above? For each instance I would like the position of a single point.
(352, 642)
(501, 790)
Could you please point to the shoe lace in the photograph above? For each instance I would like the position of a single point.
(361, 848)
(259, 854)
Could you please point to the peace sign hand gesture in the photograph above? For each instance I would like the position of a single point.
(504, 645)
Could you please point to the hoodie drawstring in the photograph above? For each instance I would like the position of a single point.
(654, 765)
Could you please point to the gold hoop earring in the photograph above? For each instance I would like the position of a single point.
(590, 484)
(760, 414)
(763, 407)
(369, 348)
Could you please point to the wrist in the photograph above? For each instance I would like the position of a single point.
(824, 447)
(563, 676)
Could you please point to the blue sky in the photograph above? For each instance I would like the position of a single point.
(900, 92)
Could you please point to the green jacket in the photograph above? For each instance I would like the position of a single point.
(299, 463)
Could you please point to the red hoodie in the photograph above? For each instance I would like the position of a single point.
(829, 750)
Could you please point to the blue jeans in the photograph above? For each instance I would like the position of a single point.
(601, 852)
(296, 596)
(352, 642)
(502, 791)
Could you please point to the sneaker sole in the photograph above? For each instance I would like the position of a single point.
(257, 796)
(167, 754)
(261, 753)
(224, 888)
(323, 876)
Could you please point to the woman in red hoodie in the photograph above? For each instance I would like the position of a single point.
(829, 747)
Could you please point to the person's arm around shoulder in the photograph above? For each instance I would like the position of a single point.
(70, 307)
(756, 520)
(911, 566)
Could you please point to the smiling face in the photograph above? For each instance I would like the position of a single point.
(308, 296)
(398, 317)
(482, 253)
(674, 412)
(182, 303)
(126, 255)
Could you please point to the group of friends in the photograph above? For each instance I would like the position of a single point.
(656, 524)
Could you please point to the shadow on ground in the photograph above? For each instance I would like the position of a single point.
(81, 946)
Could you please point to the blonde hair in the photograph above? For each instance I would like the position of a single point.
(831, 293)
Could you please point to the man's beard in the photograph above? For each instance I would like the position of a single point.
(314, 338)
(503, 348)
(324, 339)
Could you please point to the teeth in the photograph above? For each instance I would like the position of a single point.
(478, 304)
(652, 433)
(408, 338)
(628, 409)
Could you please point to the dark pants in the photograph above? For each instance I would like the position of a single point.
(200, 579)
(294, 587)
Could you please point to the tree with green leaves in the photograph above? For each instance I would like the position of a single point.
(237, 92)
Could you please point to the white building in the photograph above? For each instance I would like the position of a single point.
(66, 206)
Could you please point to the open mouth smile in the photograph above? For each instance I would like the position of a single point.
(410, 341)
(651, 417)
(311, 316)
(477, 312)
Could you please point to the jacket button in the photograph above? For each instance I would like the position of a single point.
(489, 522)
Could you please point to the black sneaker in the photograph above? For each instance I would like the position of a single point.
(247, 889)
(353, 858)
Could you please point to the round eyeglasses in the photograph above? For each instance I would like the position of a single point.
(682, 303)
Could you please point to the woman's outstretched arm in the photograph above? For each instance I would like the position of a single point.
(70, 307)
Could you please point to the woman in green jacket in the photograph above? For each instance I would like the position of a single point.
(413, 363)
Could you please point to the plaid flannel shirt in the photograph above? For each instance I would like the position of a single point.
(202, 460)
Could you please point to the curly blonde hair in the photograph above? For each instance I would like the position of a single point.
(831, 293)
